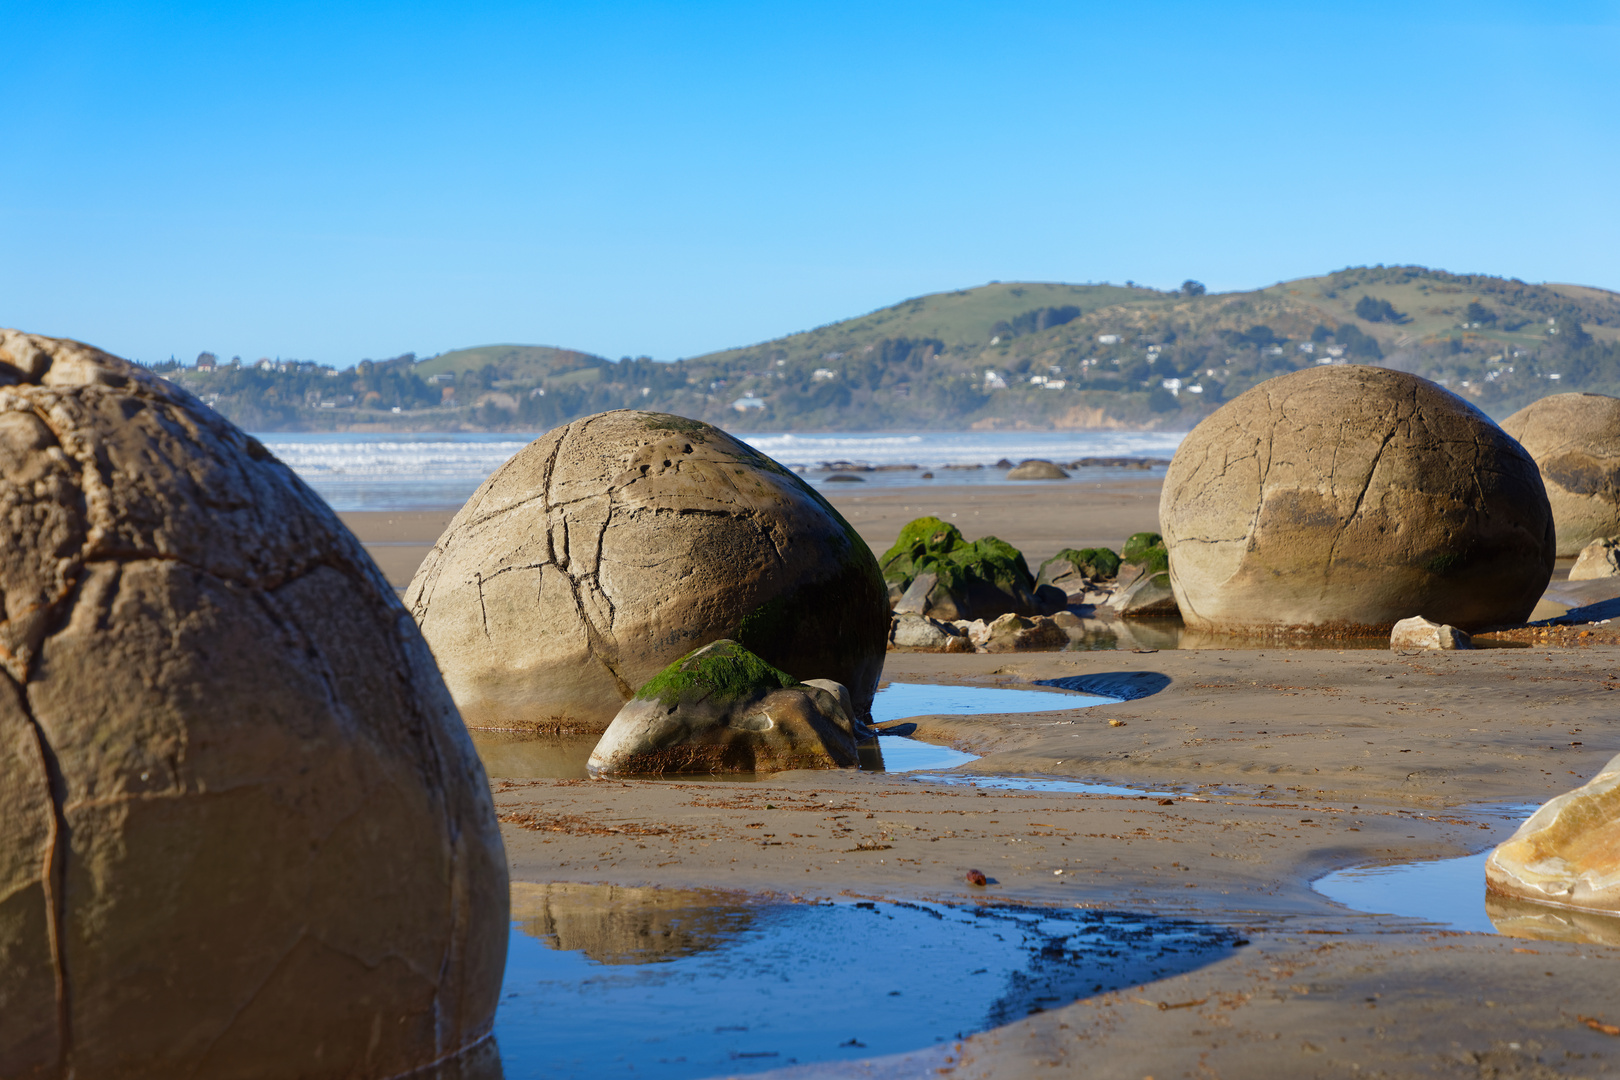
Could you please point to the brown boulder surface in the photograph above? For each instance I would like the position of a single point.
(613, 546)
(1342, 499)
(1575, 441)
(242, 831)
(1568, 853)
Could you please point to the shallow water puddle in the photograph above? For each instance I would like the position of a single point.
(899, 701)
(563, 757)
(669, 983)
(1035, 783)
(1451, 892)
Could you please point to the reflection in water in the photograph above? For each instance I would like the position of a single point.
(612, 924)
(766, 985)
(1527, 919)
(517, 754)
(1452, 892)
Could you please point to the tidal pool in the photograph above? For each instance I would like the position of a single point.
(563, 757)
(606, 981)
(1451, 893)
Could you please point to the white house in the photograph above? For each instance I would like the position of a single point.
(823, 373)
(748, 401)
(1108, 339)
(994, 381)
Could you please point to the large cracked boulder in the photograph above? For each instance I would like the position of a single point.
(1575, 441)
(1568, 853)
(1342, 499)
(242, 830)
(611, 547)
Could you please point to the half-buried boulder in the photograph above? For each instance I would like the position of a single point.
(722, 709)
(1342, 499)
(1568, 853)
(609, 548)
(1037, 469)
(932, 570)
(242, 830)
(1575, 441)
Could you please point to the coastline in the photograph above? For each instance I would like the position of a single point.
(1310, 761)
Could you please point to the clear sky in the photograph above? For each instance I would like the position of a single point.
(332, 181)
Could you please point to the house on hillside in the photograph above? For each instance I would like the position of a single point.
(747, 402)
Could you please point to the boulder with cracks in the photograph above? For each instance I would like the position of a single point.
(1575, 441)
(1339, 500)
(612, 546)
(242, 830)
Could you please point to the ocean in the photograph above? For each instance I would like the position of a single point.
(367, 471)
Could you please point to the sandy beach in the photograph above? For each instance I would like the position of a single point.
(1287, 764)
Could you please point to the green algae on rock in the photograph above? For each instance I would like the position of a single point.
(722, 709)
(612, 546)
(1091, 563)
(242, 829)
(933, 570)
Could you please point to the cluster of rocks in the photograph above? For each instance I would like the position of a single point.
(982, 599)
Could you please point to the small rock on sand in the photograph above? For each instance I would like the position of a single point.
(1419, 633)
(1599, 559)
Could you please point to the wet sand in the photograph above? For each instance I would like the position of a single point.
(1039, 519)
(1296, 763)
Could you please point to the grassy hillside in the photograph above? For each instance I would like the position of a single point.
(1004, 355)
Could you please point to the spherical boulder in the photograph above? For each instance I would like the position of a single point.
(609, 548)
(242, 830)
(1575, 441)
(1342, 499)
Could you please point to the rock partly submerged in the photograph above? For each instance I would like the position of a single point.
(721, 709)
(1568, 853)
(608, 548)
(1339, 500)
(242, 830)
(1575, 441)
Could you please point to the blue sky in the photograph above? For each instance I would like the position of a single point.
(332, 181)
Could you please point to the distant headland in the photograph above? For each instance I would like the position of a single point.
(1002, 356)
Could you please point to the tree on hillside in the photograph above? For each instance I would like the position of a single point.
(1378, 311)
(1192, 288)
(1478, 313)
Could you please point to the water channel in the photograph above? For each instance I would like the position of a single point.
(605, 981)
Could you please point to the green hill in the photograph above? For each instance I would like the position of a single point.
(1005, 355)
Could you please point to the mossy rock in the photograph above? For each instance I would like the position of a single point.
(724, 709)
(1087, 562)
(1138, 545)
(982, 579)
(924, 537)
(722, 669)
